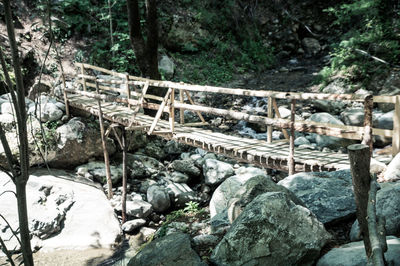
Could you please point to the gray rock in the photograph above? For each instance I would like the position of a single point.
(141, 166)
(387, 206)
(170, 250)
(158, 197)
(166, 66)
(173, 148)
(136, 208)
(181, 193)
(301, 141)
(77, 143)
(353, 117)
(353, 254)
(385, 121)
(227, 190)
(392, 172)
(254, 187)
(131, 225)
(179, 177)
(329, 195)
(47, 112)
(186, 166)
(215, 171)
(327, 141)
(52, 195)
(155, 151)
(311, 46)
(7, 121)
(97, 170)
(220, 223)
(272, 230)
(205, 240)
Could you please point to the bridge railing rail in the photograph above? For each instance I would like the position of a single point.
(135, 94)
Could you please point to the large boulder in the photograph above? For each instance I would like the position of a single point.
(387, 206)
(251, 189)
(62, 212)
(158, 197)
(186, 166)
(227, 190)
(78, 141)
(47, 109)
(215, 171)
(328, 141)
(353, 254)
(329, 195)
(140, 166)
(272, 230)
(166, 66)
(171, 250)
(96, 170)
(392, 172)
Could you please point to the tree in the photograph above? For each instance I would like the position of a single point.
(19, 170)
(146, 51)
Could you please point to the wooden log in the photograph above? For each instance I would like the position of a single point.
(128, 90)
(310, 127)
(124, 175)
(359, 155)
(291, 165)
(171, 117)
(367, 138)
(65, 96)
(396, 128)
(84, 80)
(159, 112)
(181, 111)
(270, 115)
(376, 256)
(110, 98)
(104, 144)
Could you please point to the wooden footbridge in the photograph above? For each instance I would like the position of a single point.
(122, 98)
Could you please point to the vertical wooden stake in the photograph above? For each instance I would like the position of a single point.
(181, 111)
(270, 115)
(84, 80)
(278, 115)
(396, 128)
(65, 96)
(172, 111)
(124, 175)
(103, 142)
(128, 91)
(291, 139)
(359, 157)
(367, 138)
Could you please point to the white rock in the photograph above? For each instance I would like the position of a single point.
(131, 225)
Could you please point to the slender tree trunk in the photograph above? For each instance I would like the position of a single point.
(22, 178)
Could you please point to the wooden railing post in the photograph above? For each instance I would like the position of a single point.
(172, 111)
(84, 79)
(278, 115)
(104, 143)
(181, 110)
(396, 127)
(65, 96)
(291, 164)
(270, 115)
(128, 91)
(367, 137)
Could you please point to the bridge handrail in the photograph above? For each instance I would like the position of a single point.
(349, 132)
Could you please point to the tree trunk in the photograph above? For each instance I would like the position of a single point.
(359, 155)
(22, 178)
(146, 52)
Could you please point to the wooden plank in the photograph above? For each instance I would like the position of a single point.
(384, 99)
(291, 143)
(171, 117)
(159, 112)
(181, 111)
(83, 80)
(396, 128)
(270, 115)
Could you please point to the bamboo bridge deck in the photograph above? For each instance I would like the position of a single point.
(120, 99)
(270, 155)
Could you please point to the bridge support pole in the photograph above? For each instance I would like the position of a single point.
(291, 163)
(396, 128)
(104, 143)
(124, 174)
(270, 115)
